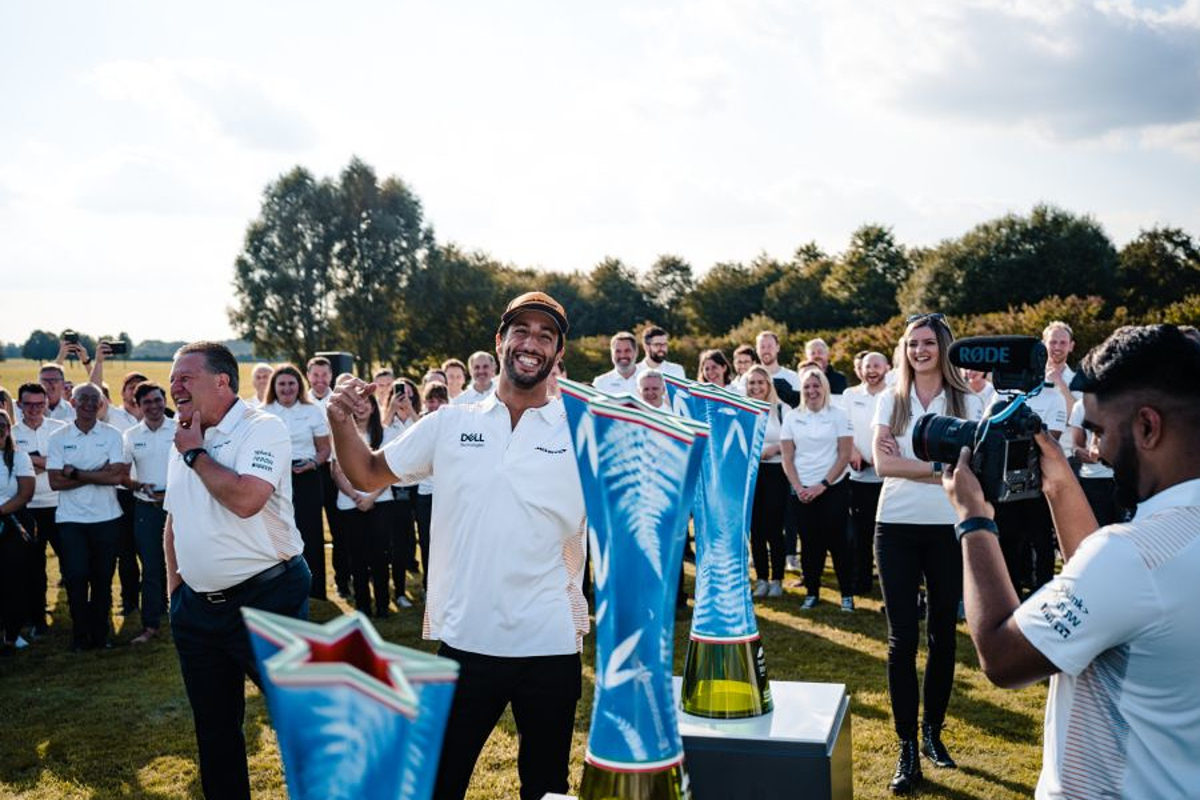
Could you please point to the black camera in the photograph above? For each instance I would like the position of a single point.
(70, 337)
(117, 348)
(1004, 455)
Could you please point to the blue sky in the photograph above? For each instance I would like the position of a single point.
(136, 137)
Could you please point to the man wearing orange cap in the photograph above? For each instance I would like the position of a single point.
(506, 548)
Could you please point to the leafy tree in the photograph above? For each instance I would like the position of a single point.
(665, 287)
(865, 279)
(40, 346)
(615, 296)
(282, 278)
(1157, 268)
(797, 297)
(730, 292)
(1013, 260)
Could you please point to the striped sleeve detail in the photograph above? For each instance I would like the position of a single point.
(1164, 535)
(280, 533)
(575, 559)
(1094, 753)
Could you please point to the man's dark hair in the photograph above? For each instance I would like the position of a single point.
(1158, 358)
(746, 350)
(217, 359)
(435, 389)
(652, 332)
(29, 388)
(147, 387)
(318, 361)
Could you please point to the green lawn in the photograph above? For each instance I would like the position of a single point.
(117, 724)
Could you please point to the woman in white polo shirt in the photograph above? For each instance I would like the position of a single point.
(817, 442)
(16, 532)
(309, 431)
(403, 409)
(770, 490)
(367, 521)
(914, 539)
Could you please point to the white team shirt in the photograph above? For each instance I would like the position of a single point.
(63, 412)
(87, 451)
(305, 422)
(149, 451)
(119, 418)
(215, 548)
(1119, 622)
(1085, 470)
(612, 382)
(346, 502)
(507, 549)
(987, 394)
(912, 502)
(473, 395)
(738, 384)
(1048, 404)
(815, 435)
(667, 368)
(393, 430)
(774, 430)
(27, 440)
(860, 406)
(321, 402)
(22, 468)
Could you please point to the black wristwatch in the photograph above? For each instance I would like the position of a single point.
(190, 456)
(973, 524)
(825, 483)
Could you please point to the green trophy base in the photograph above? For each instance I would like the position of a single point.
(726, 680)
(600, 783)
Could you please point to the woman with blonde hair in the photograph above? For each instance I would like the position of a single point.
(770, 491)
(914, 540)
(817, 442)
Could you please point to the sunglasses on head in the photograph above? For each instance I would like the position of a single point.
(934, 317)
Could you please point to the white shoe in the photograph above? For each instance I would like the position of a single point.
(20, 643)
(403, 602)
(760, 589)
(792, 564)
(775, 589)
(848, 603)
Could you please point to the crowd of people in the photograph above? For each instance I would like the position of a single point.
(88, 474)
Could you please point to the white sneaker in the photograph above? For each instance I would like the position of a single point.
(20, 643)
(848, 603)
(809, 603)
(403, 602)
(792, 564)
(775, 589)
(760, 589)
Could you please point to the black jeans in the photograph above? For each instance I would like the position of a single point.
(1027, 541)
(423, 511)
(306, 502)
(15, 555)
(369, 535)
(127, 560)
(404, 542)
(823, 529)
(341, 548)
(864, 500)
(906, 554)
(543, 690)
(215, 659)
(766, 522)
(47, 533)
(148, 522)
(88, 561)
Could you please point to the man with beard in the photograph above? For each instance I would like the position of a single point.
(1115, 631)
(787, 382)
(865, 484)
(654, 342)
(507, 548)
(622, 378)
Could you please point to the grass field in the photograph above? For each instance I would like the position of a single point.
(117, 723)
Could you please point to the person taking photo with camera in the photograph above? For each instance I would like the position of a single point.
(1115, 630)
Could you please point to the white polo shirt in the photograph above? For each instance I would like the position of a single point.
(346, 502)
(911, 502)
(987, 394)
(119, 418)
(1048, 404)
(507, 543)
(305, 422)
(215, 548)
(860, 406)
(393, 430)
(149, 451)
(22, 468)
(87, 451)
(815, 435)
(613, 382)
(473, 395)
(1119, 622)
(1086, 470)
(27, 440)
(320, 402)
(63, 412)
(667, 368)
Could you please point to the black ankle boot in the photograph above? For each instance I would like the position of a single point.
(932, 747)
(908, 768)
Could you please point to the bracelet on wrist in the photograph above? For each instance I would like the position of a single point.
(973, 524)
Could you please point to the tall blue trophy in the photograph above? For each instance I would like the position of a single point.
(725, 673)
(356, 717)
(638, 469)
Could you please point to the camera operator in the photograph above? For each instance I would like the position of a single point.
(914, 540)
(1115, 632)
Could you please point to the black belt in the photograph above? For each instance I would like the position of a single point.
(269, 574)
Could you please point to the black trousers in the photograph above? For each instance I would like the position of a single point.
(404, 537)
(864, 500)
(341, 548)
(369, 534)
(543, 691)
(88, 560)
(823, 530)
(906, 554)
(423, 511)
(127, 561)
(15, 554)
(215, 659)
(47, 533)
(766, 522)
(306, 501)
(1027, 541)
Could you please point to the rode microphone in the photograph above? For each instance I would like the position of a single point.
(1017, 363)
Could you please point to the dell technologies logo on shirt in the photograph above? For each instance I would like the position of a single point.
(471, 439)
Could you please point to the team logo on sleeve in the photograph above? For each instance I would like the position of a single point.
(263, 460)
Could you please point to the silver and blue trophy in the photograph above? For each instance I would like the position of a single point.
(725, 673)
(638, 469)
(356, 717)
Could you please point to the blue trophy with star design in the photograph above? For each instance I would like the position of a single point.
(725, 674)
(638, 468)
(356, 717)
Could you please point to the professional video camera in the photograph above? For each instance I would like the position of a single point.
(1004, 455)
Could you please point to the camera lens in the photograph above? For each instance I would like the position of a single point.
(940, 438)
